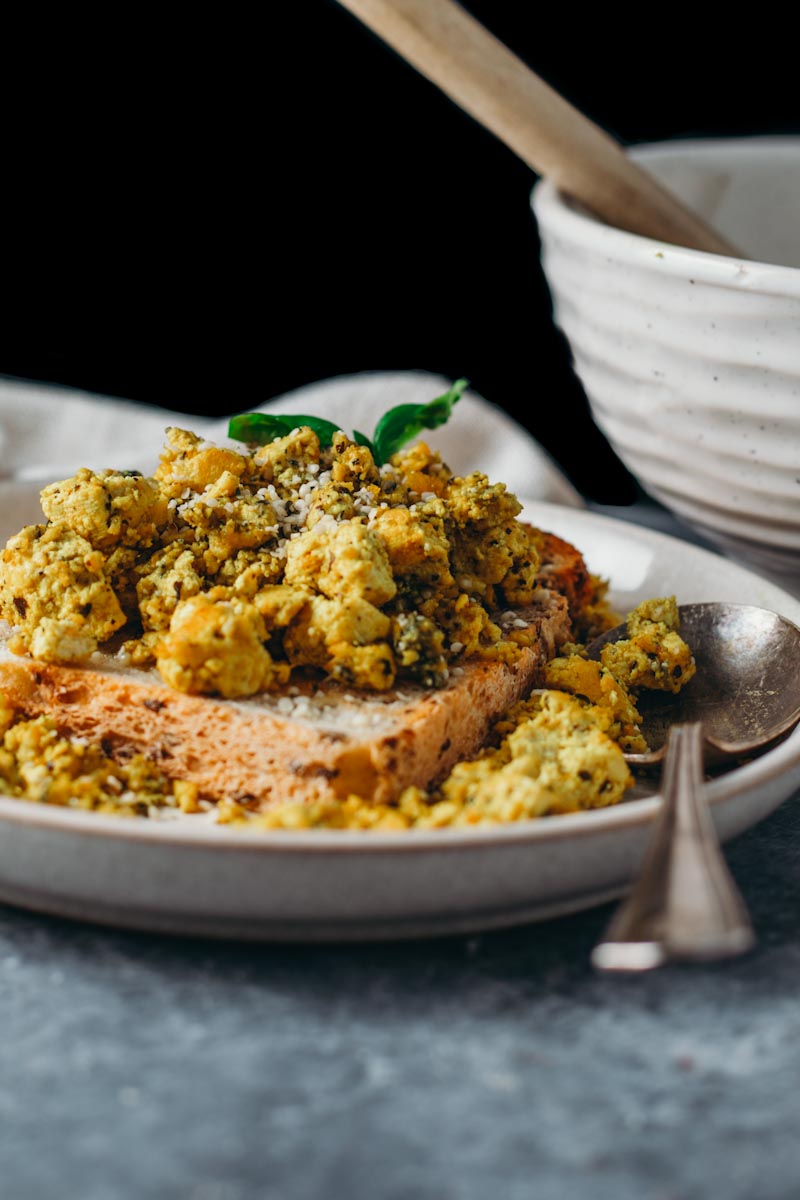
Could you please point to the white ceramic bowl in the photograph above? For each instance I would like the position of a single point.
(691, 361)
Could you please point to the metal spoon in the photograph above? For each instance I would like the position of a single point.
(745, 695)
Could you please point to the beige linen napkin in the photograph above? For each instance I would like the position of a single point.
(47, 432)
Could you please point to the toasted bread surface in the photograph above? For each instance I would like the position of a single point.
(306, 743)
(563, 569)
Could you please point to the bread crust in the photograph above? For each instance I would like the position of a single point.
(252, 752)
(563, 569)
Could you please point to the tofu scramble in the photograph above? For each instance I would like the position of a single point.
(231, 570)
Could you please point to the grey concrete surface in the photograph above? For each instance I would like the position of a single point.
(495, 1066)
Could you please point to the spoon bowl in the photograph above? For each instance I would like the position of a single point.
(745, 695)
(746, 692)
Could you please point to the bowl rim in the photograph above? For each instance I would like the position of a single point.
(555, 214)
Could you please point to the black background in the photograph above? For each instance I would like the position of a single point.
(205, 212)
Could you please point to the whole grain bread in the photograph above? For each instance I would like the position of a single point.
(318, 741)
(311, 741)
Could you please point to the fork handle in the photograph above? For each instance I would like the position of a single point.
(684, 904)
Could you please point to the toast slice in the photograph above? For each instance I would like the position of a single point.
(307, 743)
(563, 570)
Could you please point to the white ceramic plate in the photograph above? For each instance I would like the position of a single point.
(191, 877)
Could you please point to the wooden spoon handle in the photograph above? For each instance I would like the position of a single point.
(467, 62)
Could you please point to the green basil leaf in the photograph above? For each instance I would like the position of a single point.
(361, 439)
(261, 428)
(256, 428)
(400, 424)
(395, 428)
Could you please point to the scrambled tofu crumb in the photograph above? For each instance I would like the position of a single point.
(283, 457)
(416, 544)
(489, 545)
(345, 638)
(346, 559)
(172, 574)
(558, 760)
(109, 509)
(189, 463)
(50, 573)
(654, 655)
(38, 763)
(61, 641)
(608, 698)
(215, 646)
(419, 648)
